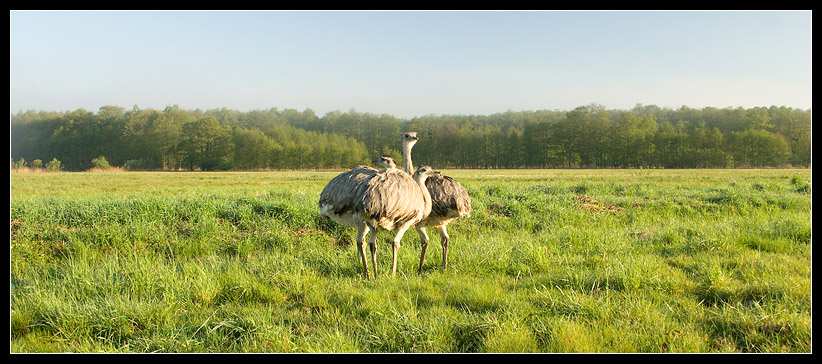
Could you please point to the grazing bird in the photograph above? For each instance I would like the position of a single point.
(449, 198)
(390, 200)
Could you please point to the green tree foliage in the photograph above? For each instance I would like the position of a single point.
(54, 165)
(205, 144)
(20, 164)
(587, 136)
(758, 148)
(100, 163)
(631, 140)
(252, 149)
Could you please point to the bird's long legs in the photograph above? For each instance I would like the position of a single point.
(445, 239)
(372, 243)
(362, 231)
(424, 241)
(397, 239)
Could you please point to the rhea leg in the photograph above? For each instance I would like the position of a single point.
(362, 231)
(445, 239)
(372, 244)
(397, 239)
(424, 240)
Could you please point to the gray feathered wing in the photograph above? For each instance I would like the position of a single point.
(339, 193)
(449, 198)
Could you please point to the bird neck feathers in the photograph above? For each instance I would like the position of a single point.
(426, 196)
(406, 154)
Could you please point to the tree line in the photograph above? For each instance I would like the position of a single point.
(589, 136)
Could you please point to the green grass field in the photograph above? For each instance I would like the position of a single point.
(550, 261)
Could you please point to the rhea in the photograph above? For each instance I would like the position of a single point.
(390, 200)
(340, 196)
(450, 201)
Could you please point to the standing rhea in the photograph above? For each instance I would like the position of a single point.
(390, 200)
(450, 201)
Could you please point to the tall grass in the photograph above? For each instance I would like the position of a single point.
(549, 261)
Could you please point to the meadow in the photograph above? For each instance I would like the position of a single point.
(549, 261)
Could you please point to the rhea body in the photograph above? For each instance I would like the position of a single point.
(450, 201)
(390, 200)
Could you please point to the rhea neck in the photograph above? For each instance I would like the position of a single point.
(426, 196)
(406, 153)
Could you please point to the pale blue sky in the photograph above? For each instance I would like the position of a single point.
(408, 63)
